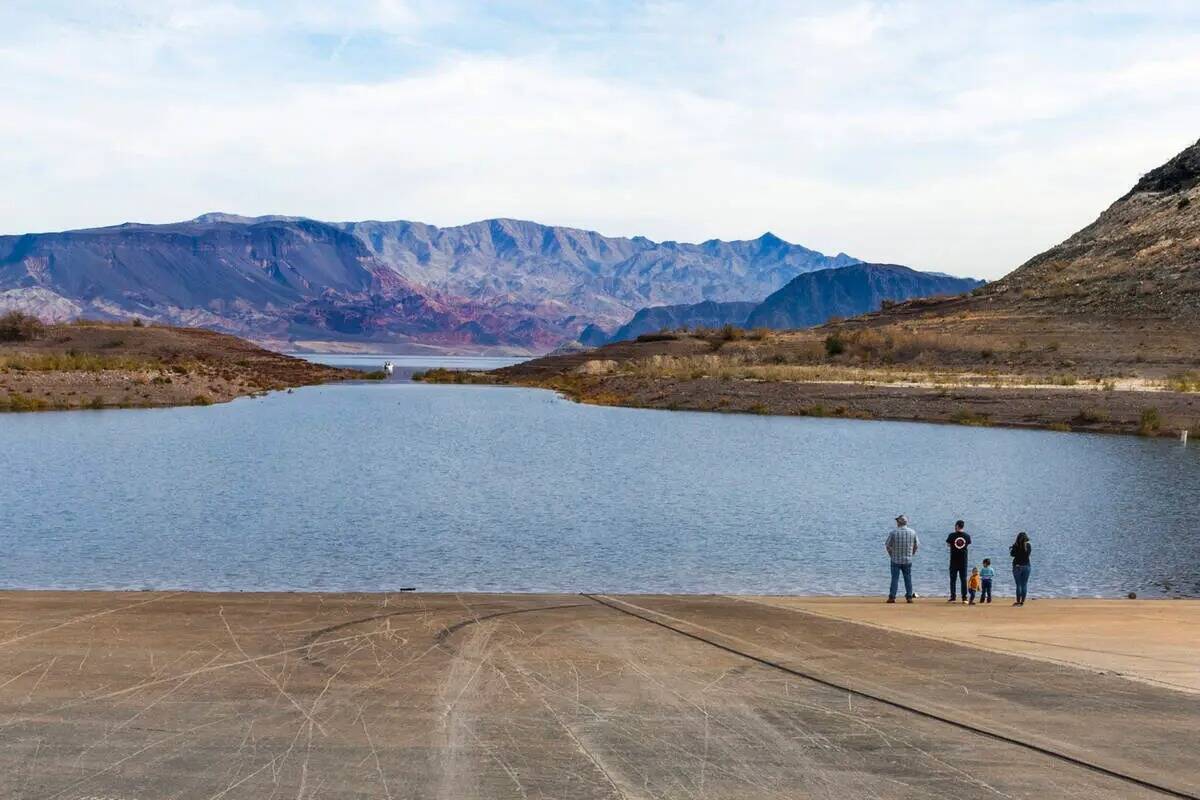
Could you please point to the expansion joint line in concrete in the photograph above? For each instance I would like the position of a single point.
(625, 608)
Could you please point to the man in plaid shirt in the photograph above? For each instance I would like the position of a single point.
(902, 544)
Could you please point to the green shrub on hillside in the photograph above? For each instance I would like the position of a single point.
(18, 327)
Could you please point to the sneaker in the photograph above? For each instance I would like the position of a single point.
(971, 603)
(891, 600)
(908, 600)
(952, 600)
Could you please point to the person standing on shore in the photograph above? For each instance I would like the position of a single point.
(986, 575)
(901, 546)
(958, 542)
(973, 585)
(1020, 551)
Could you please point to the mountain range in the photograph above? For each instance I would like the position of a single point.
(496, 283)
(500, 284)
(812, 298)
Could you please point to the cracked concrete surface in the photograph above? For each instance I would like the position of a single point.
(180, 696)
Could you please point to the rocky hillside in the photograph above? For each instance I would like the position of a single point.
(816, 297)
(109, 365)
(807, 300)
(1141, 257)
(498, 283)
(604, 278)
(696, 315)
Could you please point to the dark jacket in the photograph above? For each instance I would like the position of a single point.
(1020, 553)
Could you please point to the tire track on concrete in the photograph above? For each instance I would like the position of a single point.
(86, 617)
(625, 607)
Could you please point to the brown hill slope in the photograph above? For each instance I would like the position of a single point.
(102, 365)
(1101, 332)
(1140, 258)
(1120, 297)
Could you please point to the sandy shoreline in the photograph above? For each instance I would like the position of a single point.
(1157, 641)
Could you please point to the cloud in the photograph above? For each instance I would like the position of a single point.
(959, 137)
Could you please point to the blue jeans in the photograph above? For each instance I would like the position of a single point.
(985, 590)
(1021, 578)
(897, 571)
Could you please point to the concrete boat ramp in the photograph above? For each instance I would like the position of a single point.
(182, 696)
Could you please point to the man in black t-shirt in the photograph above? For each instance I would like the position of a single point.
(958, 542)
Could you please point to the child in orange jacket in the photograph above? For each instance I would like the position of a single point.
(973, 584)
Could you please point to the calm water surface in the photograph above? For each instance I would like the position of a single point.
(405, 366)
(380, 486)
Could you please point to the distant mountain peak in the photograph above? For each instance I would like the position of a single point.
(214, 217)
(815, 297)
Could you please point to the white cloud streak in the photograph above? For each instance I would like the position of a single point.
(951, 136)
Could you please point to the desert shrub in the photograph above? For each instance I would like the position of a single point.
(443, 375)
(965, 416)
(895, 345)
(1150, 422)
(72, 362)
(1184, 202)
(658, 336)
(1089, 416)
(375, 375)
(23, 402)
(202, 400)
(759, 334)
(1184, 382)
(598, 366)
(137, 322)
(18, 327)
(96, 402)
(731, 333)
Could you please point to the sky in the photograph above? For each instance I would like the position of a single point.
(949, 135)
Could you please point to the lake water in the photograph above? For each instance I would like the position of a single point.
(377, 486)
(405, 365)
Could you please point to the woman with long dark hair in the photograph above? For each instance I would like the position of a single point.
(1020, 552)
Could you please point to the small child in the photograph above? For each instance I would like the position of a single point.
(986, 575)
(973, 585)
